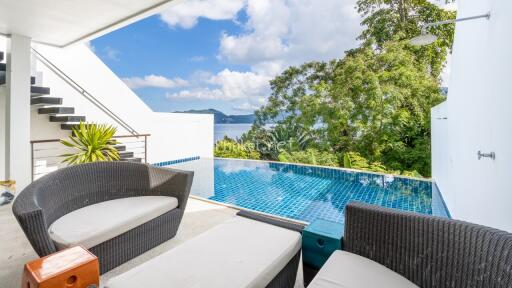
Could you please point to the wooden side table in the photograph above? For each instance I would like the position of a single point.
(75, 267)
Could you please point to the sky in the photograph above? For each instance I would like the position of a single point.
(221, 54)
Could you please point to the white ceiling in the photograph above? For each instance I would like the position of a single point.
(64, 22)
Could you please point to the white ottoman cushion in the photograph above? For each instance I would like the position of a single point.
(237, 253)
(95, 224)
(347, 270)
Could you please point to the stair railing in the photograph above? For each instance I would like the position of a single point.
(84, 92)
(46, 155)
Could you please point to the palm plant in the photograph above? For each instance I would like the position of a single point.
(92, 142)
(285, 138)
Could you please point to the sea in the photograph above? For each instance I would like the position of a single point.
(231, 130)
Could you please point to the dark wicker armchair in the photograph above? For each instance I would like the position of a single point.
(68, 189)
(431, 252)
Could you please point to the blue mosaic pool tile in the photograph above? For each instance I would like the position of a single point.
(307, 193)
(172, 162)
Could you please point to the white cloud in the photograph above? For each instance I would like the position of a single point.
(448, 5)
(197, 59)
(154, 81)
(112, 53)
(445, 74)
(229, 85)
(89, 45)
(240, 85)
(246, 107)
(277, 34)
(281, 33)
(186, 14)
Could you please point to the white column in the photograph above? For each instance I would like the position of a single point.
(18, 154)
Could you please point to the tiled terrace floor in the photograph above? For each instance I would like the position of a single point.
(15, 249)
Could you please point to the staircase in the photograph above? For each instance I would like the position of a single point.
(52, 106)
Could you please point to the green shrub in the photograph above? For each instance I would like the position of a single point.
(228, 148)
(354, 160)
(411, 174)
(91, 143)
(310, 156)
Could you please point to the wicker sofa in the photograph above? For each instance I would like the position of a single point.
(420, 250)
(70, 191)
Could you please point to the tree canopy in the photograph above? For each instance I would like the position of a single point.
(375, 101)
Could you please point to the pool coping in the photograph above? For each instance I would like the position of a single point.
(330, 167)
(247, 209)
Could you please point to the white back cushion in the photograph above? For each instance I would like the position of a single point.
(347, 270)
(237, 253)
(95, 224)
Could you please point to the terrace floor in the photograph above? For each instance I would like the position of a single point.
(15, 250)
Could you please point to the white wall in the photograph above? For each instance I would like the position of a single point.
(2, 132)
(3, 118)
(173, 135)
(442, 162)
(479, 115)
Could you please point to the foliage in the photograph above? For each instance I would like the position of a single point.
(274, 141)
(397, 20)
(376, 103)
(310, 156)
(376, 100)
(92, 142)
(354, 160)
(228, 148)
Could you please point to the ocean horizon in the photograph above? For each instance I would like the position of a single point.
(231, 130)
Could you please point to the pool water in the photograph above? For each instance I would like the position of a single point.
(306, 193)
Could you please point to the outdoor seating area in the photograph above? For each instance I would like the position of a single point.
(381, 247)
(232, 144)
(117, 210)
(390, 248)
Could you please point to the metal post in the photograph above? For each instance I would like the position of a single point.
(145, 149)
(32, 160)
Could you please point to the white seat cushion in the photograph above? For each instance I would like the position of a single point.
(95, 224)
(237, 253)
(347, 270)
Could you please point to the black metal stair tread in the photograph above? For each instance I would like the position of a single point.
(45, 101)
(56, 110)
(68, 126)
(67, 118)
(139, 160)
(125, 154)
(120, 148)
(3, 80)
(38, 90)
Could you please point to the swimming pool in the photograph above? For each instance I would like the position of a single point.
(306, 193)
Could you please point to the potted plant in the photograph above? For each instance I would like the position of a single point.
(92, 143)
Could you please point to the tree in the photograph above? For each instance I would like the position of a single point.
(380, 107)
(375, 101)
(396, 20)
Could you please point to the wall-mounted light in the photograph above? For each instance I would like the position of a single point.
(426, 38)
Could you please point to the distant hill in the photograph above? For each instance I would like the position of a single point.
(221, 118)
